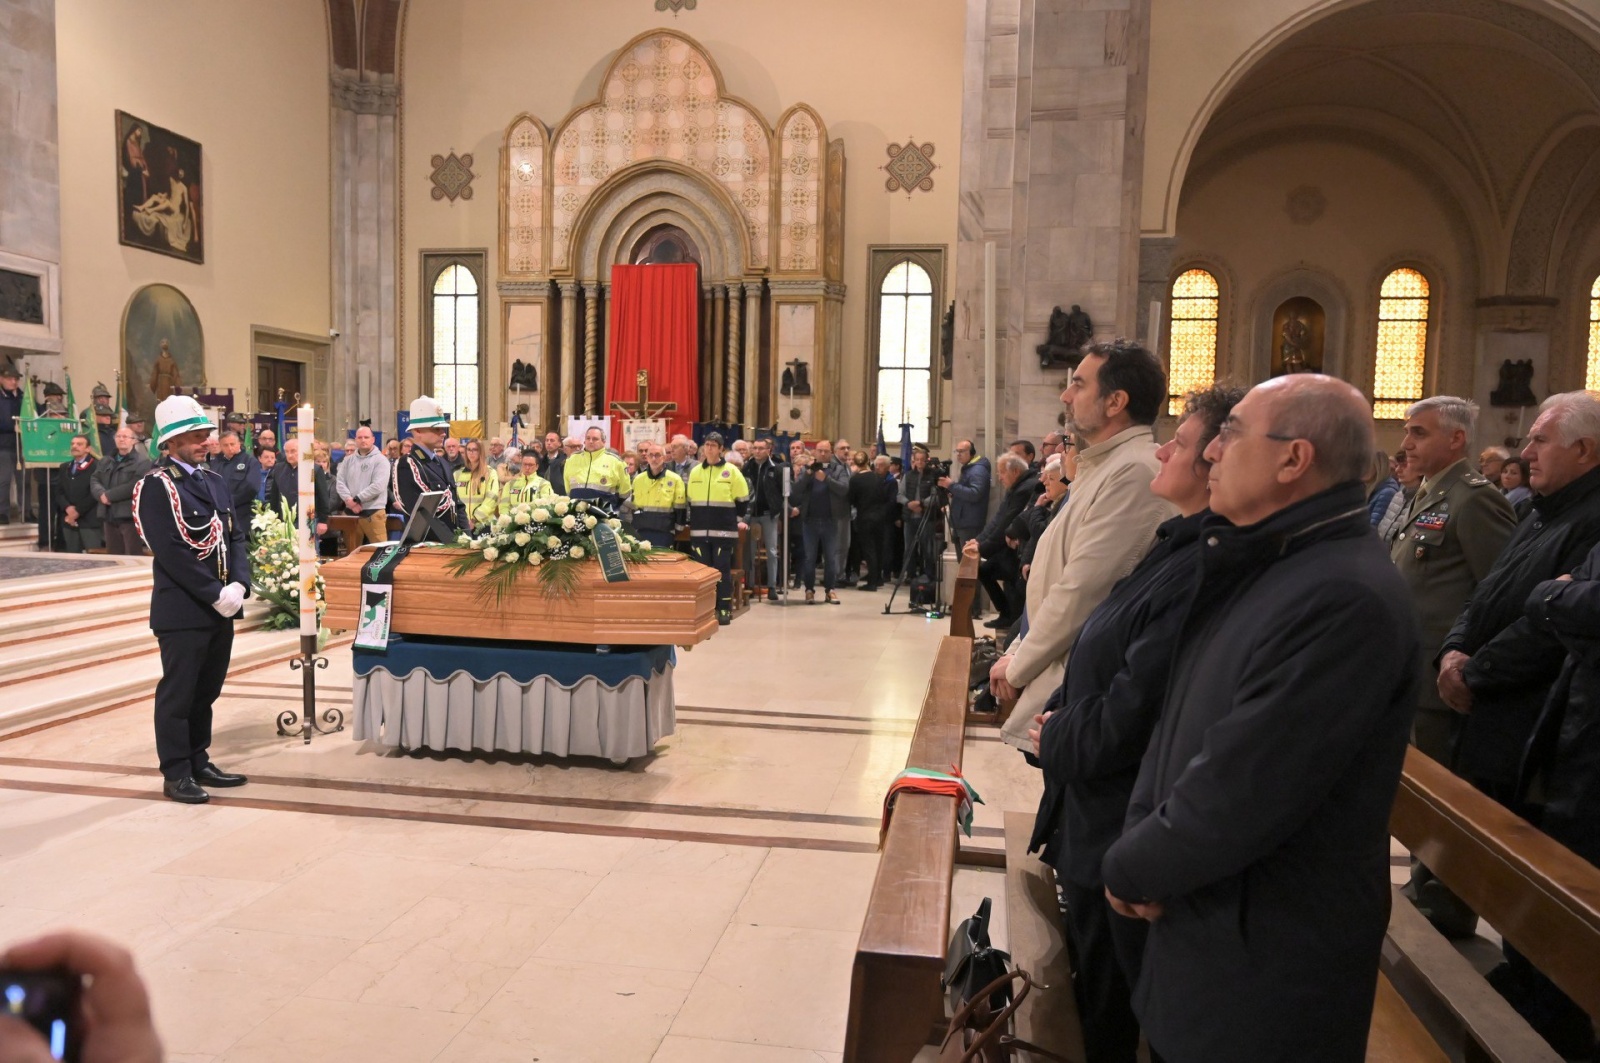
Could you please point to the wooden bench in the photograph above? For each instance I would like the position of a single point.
(1543, 898)
(961, 600)
(895, 999)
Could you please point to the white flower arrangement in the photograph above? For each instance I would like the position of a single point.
(550, 539)
(275, 567)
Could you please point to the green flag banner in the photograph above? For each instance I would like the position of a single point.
(46, 440)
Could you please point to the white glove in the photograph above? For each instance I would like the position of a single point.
(231, 600)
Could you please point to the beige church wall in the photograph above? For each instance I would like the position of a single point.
(876, 73)
(1199, 48)
(1235, 221)
(249, 81)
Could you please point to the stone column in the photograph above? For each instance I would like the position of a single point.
(1052, 149)
(752, 352)
(735, 356)
(591, 348)
(569, 353)
(708, 321)
(719, 351)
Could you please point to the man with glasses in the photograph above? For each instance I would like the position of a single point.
(1257, 839)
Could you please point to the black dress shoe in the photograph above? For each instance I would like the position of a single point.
(211, 775)
(772, 595)
(185, 791)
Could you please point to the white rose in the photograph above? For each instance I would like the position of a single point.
(583, 507)
(561, 508)
(503, 521)
(541, 514)
(490, 554)
(511, 558)
(614, 522)
(577, 551)
(568, 523)
(552, 542)
(522, 516)
(589, 522)
(535, 557)
(522, 538)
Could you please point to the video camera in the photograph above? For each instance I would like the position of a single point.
(936, 468)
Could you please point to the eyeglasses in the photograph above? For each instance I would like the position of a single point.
(1230, 431)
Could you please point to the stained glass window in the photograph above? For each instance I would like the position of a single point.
(1591, 377)
(1195, 299)
(455, 343)
(905, 349)
(1402, 344)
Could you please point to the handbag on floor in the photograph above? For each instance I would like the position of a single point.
(980, 1033)
(971, 962)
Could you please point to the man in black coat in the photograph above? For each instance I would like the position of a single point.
(1257, 841)
(76, 500)
(241, 472)
(283, 485)
(1001, 569)
(201, 574)
(1495, 666)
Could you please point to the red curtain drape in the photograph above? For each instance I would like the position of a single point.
(655, 325)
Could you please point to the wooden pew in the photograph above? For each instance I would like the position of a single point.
(961, 601)
(895, 998)
(1539, 895)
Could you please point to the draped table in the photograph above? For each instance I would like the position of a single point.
(521, 697)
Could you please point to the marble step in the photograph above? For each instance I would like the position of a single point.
(37, 700)
(74, 618)
(96, 582)
(111, 645)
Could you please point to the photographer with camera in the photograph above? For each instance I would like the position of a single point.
(822, 501)
(969, 500)
(921, 506)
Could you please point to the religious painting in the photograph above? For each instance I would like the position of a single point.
(1298, 329)
(163, 348)
(159, 190)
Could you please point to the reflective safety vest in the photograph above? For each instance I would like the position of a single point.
(483, 505)
(524, 489)
(597, 475)
(717, 498)
(658, 501)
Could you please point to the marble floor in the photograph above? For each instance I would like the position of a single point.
(700, 904)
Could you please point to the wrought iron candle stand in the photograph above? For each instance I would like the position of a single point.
(306, 721)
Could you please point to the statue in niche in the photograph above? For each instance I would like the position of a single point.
(796, 378)
(1299, 326)
(947, 344)
(1516, 385)
(165, 378)
(1063, 346)
(524, 376)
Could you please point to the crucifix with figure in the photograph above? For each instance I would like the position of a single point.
(643, 409)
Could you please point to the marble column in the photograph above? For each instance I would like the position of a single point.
(569, 354)
(719, 351)
(708, 321)
(735, 356)
(1052, 152)
(365, 239)
(591, 349)
(752, 352)
(30, 205)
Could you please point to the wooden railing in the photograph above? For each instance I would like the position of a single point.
(894, 986)
(961, 599)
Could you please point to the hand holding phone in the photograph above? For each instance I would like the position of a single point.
(109, 1015)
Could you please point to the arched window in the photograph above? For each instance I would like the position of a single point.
(1402, 344)
(1591, 376)
(454, 342)
(905, 349)
(1193, 347)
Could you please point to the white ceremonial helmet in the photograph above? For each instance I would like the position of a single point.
(179, 414)
(425, 413)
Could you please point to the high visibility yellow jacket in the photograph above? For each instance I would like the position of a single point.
(660, 503)
(598, 475)
(718, 495)
(483, 504)
(525, 489)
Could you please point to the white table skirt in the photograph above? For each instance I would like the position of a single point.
(418, 711)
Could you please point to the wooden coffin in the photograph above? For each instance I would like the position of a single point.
(672, 601)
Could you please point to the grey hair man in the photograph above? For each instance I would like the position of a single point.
(1278, 753)
(1456, 525)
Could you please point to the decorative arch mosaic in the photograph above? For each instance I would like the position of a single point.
(663, 100)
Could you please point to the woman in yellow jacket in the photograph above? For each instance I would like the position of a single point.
(526, 487)
(478, 485)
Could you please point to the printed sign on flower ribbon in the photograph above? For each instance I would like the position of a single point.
(609, 554)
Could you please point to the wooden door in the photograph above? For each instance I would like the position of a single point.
(275, 373)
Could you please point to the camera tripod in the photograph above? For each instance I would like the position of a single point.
(935, 562)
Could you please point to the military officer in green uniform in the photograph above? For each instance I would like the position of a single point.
(1455, 527)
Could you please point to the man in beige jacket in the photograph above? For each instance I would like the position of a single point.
(1114, 397)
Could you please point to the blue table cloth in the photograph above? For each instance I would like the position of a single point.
(524, 697)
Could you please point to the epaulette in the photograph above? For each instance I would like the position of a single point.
(1475, 479)
(172, 472)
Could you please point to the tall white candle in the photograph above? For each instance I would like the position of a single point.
(305, 433)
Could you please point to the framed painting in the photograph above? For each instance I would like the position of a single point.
(163, 348)
(159, 191)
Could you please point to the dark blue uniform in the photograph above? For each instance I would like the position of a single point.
(198, 550)
(422, 471)
(241, 474)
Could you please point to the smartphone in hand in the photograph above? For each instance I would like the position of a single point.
(47, 1001)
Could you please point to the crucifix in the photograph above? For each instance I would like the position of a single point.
(644, 409)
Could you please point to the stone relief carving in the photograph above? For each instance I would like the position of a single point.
(452, 177)
(910, 167)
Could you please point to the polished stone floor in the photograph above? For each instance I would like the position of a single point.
(700, 904)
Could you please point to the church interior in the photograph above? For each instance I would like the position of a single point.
(895, 215)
